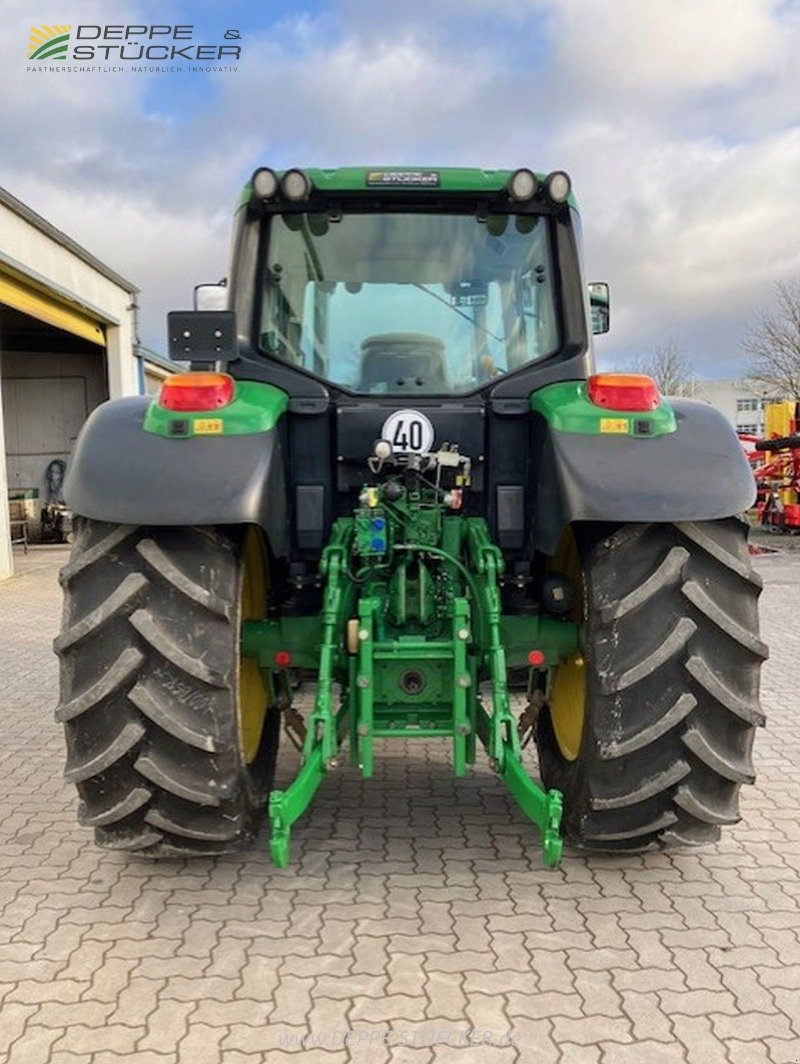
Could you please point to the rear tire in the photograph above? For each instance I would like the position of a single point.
(150, 669)
(672, 662)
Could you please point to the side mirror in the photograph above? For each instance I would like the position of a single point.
(202, 336)
(599, 303)
(211, 296)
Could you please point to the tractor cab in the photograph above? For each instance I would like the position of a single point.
(408, 283)
(407, 304)
(420, 307)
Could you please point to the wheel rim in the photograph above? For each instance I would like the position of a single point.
(567, 696)
(253, 690)
(568, 705)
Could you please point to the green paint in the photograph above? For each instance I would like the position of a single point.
(429, 632)
(256, 407)
(520, 634)
(451, 179)
(300, 636)
(325, 726)
(286, 806)
(544, 809)
(566, 407)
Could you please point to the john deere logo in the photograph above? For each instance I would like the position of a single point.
(48, 42)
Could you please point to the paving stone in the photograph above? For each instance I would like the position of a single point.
(698, 973)
(544, 1005)
(415, 901)
(698, 1002)
(591, 1030)
(165, 1026)
(476, 1054)
(748, 1052)
(230, 1014)
(34, 1047)
(200, 1045)
(446, 996)
(392, 1006)
(783, 1051)
(748, 991)
(147, 1056)
(699, 1039)
(58, 1015)
(116, 1038)
(751, 1026)
(259, 979)
(405, 974)
(511, 950)
(649, 1051)
(647, 1019)
(463, 961)
(66, 990)
(191, 989)
(134, 1003)
(597, 994)
(788, 977)
(15, 1017)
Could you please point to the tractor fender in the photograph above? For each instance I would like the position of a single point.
(696, 473)
(122, 474)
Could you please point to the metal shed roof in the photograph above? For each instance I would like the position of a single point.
(40, 223)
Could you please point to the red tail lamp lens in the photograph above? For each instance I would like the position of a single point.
(536, 657)
(196, 391)
(283, 659)
(624, 391)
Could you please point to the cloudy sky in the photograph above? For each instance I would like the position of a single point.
(677, 119)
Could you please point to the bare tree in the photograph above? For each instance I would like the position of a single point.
(669, 368)
(773, 342)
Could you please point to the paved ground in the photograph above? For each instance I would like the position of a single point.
(415, 910)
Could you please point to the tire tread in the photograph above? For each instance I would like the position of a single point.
(673, 660)
(149, 665)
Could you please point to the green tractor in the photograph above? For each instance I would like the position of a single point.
(392, 468)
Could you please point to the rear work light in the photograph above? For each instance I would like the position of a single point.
(623, 391)
(295, 185)
(265, 183)
(196, 391)
(523, 185)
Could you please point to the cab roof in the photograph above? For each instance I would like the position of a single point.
(408, 178)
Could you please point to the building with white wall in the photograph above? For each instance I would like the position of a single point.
(67, 343)
(742, 401)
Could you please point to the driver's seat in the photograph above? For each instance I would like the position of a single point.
(402, 361)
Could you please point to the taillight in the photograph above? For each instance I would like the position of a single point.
(623, 391)
(196, 391)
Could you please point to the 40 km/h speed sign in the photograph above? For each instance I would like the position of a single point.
(408, 431)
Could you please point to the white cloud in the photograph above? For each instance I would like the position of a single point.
(678, 121)
(669, 47)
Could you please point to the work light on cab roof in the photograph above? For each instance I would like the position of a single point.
(559, 186)
(295, 185)
(265, 182)
(523, 185)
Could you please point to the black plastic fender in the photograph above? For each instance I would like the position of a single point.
(697, 473)
(122, 474)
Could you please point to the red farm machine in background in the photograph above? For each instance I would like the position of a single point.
(776, 466)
